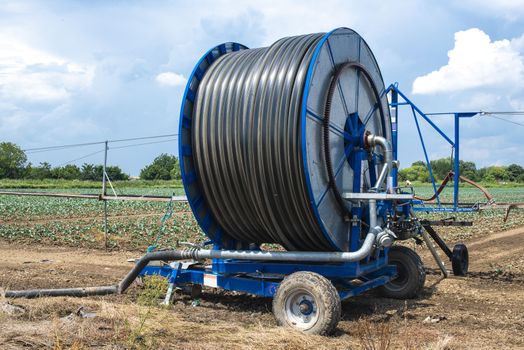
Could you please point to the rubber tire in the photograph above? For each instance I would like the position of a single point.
(326, 298)
(460, 260)
(411, 274)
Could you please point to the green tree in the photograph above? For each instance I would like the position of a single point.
(415, 173)
(68, 172)
(12, 161)
(90, 172)
(41, 172)
(469, 170)
(161, 168)
(481, 174)
(175, 172)
(441, 167)
(115, 173)
(93, 172)
(514, 172)
(497, 173)
(419, 163)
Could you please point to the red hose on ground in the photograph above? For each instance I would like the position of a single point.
(450, 175)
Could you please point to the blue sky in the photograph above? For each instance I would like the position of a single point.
(73, 71)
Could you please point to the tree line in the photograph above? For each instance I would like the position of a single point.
(14, 165)
(418, 171)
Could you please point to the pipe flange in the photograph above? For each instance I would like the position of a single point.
(386, 238)
(366, 141)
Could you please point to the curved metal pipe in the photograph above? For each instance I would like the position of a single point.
(196, 254)
(326, 257)
(382, 142)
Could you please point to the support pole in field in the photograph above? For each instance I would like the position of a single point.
(456, 163)
(104, 175)
(394, 133)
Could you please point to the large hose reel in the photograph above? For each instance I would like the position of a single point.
(269, 138)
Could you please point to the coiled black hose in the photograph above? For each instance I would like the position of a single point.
(246, 145)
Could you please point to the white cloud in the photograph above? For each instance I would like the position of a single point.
(518, 43)
(171, 79)
(480, 101)
(490, 150)
(475, 62)
(31, 75)
(516, 104)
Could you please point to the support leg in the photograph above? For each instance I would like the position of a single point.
(169, 294)
(433, 251)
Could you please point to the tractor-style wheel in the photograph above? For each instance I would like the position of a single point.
(308, 302)
(410, 274)
(460, 260)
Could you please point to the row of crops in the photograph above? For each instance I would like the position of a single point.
(80, 222)
(137, 224)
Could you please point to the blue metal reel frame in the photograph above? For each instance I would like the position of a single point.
(233, 274)
(263, 278)
(455, 144)
(194, 196)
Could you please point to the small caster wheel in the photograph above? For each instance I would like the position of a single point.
(460, 260)
(307, 302)
(410, 274)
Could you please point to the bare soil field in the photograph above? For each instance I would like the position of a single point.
(484, 310)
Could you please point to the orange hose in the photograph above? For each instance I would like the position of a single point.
(462, 178)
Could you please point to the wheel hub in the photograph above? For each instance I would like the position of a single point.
(306, 307)
(301, 310)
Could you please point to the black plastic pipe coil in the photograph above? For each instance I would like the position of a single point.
(246, 144)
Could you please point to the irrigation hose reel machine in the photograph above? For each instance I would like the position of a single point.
(294, 145)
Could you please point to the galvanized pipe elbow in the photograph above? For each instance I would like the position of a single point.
(324, 257)
(382, 142)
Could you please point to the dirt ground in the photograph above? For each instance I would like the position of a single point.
(484, 310)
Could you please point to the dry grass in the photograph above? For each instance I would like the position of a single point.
(374, 336)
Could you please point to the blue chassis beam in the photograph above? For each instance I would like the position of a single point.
(234, 276)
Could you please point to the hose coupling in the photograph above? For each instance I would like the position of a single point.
(385, 238)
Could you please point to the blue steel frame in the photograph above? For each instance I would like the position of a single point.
(455, 144)
(256, 277)
(263, 278)
(189, 178)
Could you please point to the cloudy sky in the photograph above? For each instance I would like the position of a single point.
(73, 71)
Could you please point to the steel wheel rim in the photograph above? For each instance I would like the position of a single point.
(301, 309)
